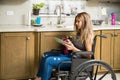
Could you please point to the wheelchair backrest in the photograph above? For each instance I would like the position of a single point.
(80, 57)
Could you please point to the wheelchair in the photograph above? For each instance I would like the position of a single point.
(84, 68)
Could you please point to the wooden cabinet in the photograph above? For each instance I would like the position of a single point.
(97, 47)
(48, 42)
(19, 60)
(116, 51)
(44, 41)
(110, 48)
(107, 47)
(17, 56)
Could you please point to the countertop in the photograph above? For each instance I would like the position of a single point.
(44, 28)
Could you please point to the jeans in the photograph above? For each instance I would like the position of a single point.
(50, 60)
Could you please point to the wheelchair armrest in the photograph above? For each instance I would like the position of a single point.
(83, 54)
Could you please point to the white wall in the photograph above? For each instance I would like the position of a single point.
(20, 10)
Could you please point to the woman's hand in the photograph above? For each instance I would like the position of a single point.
(69, 45)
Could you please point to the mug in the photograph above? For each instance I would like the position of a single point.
(38, 20)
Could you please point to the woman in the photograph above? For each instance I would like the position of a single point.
(82, 42)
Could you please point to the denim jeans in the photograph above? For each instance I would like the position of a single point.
(50, 60)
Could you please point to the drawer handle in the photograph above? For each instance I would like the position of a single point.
(112, 35)
(115, 35)
(28, 38)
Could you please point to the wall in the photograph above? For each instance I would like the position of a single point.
(96, 9)
(20, 10)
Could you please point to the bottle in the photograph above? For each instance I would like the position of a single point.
(28, 18)
(109, 20)
(113, 19)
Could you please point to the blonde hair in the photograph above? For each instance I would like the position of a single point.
(86, 31)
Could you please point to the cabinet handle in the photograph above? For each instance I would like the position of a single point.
(112, 35)
(115, 35)
(28, 38)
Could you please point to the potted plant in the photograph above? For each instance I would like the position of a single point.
(37, 7)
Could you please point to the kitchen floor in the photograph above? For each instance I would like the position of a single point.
(118, 76)
(109, 78)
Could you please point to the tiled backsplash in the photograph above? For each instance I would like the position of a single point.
(97, 10)
(20, 10)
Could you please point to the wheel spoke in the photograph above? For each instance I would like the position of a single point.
(103, 76)
(96, 73)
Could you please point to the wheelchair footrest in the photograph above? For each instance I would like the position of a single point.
(63, 73)
(81, 78)
(53, 78)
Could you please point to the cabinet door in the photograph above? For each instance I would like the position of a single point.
(116, 54)
(17, 55)
(107, 47)
(97, 47)
(48, 42)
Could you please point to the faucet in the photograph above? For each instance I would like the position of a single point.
(58, 11)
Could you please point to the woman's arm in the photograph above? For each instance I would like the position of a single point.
(69, 45)
(88, 45)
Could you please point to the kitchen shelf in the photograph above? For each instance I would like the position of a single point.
(52, 15)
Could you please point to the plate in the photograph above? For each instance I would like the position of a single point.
(37, 25)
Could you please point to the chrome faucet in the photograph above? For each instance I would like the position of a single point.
(58, 11)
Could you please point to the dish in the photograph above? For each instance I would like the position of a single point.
(37, 25)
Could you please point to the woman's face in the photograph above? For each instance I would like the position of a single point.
(78, 24)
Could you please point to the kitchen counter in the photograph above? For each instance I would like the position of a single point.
(106, 27)
(23, 28)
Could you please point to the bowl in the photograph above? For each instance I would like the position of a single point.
(97, 22)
